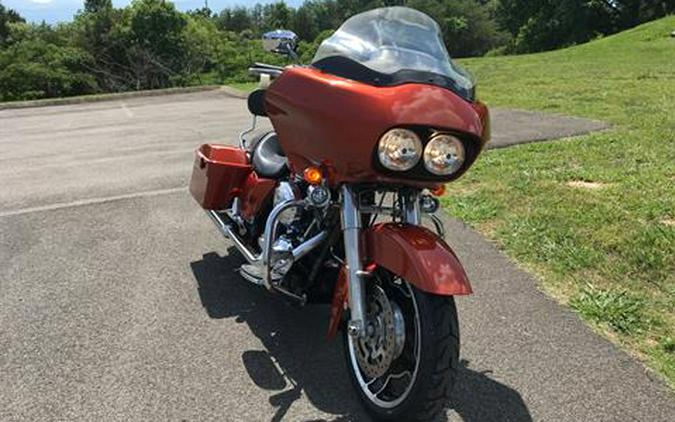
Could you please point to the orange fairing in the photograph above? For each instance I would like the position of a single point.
(417, 255)
(321, 117)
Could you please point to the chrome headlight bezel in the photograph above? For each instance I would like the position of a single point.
(444, 155)
(399, 149)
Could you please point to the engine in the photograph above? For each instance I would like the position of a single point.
(296, 224)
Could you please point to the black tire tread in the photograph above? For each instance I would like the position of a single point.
(438, 367)
(432, 400)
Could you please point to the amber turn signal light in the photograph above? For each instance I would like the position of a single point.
(438, 191)
(313, 176)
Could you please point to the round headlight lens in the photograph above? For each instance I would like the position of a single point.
(444, 155)
(399, 149)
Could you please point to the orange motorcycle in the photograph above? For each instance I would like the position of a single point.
(329, 206)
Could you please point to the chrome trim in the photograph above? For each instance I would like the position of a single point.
(306, 246)
(264, 70)
(302, 299)
(242, 142)
(226, 231)
(411, 207)
(250, 278)
(263, 259)
(285, 192)
(234, 214)
(351, 230)
(365, 384)
(270, 230)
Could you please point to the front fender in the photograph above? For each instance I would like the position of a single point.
(417, 255)
(411, 252)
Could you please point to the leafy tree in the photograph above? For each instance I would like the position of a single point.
(7, 17)
(95, 6)
(538, 25)
(304, 23)
(276, 16)
(156, 45)
(149, 44)
(467, 25)
(39, 63)
(96, 30)
(236, 20)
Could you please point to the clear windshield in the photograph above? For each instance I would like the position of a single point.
(391, 39)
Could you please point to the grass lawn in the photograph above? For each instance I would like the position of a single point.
(244, 86)
(593, 217)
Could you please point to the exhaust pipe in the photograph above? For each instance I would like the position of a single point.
(227, 231)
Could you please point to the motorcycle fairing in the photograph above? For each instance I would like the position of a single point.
(319, 116)
(414, 253)
(390, 46)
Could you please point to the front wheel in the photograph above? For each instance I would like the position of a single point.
(405, 365)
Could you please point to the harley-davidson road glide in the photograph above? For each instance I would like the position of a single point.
(329, 206)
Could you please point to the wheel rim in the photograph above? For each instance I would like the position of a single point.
(392, 387)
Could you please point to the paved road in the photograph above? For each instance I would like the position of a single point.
(118, 299)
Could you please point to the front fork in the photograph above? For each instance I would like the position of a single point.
(351, 231)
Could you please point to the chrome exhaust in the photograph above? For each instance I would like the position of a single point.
(227, 231)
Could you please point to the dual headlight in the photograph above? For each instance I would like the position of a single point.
(401, 149)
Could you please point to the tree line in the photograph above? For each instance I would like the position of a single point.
(150, 44)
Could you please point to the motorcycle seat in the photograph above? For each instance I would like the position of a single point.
(267, 158)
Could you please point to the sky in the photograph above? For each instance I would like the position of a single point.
(53, 11)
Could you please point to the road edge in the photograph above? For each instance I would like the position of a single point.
(233, 92)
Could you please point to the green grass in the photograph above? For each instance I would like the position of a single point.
(606, 246)
(244, 86)
(619, 310)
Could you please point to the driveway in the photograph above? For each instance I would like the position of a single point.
(119, 300)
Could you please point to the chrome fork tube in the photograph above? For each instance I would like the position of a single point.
(411, 207)
(351, 231)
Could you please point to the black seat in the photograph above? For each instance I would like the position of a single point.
(268, 159)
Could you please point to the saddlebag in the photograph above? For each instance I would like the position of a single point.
(218, 175)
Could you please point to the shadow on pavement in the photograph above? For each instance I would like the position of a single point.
(479, 398)
(299, 359)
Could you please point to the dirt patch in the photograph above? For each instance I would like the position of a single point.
(586, 185)
(670, 222)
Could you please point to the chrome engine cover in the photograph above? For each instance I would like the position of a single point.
(286, 191)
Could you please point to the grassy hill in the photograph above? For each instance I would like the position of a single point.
(594, 216)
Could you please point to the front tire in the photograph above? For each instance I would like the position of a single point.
(419, 374)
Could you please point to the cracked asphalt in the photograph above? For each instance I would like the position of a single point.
(119, 301)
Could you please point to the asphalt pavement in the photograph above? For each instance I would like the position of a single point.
(119, 300)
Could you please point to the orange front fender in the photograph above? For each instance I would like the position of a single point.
(414, 253)
(419, 256)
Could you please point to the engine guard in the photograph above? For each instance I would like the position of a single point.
(412, 252)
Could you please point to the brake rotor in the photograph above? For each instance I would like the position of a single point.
(382, 342)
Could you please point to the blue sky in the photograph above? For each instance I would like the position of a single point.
(62, 10)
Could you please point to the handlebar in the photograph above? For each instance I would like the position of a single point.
(259, 69)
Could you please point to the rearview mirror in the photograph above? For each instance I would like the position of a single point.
(280, 42)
